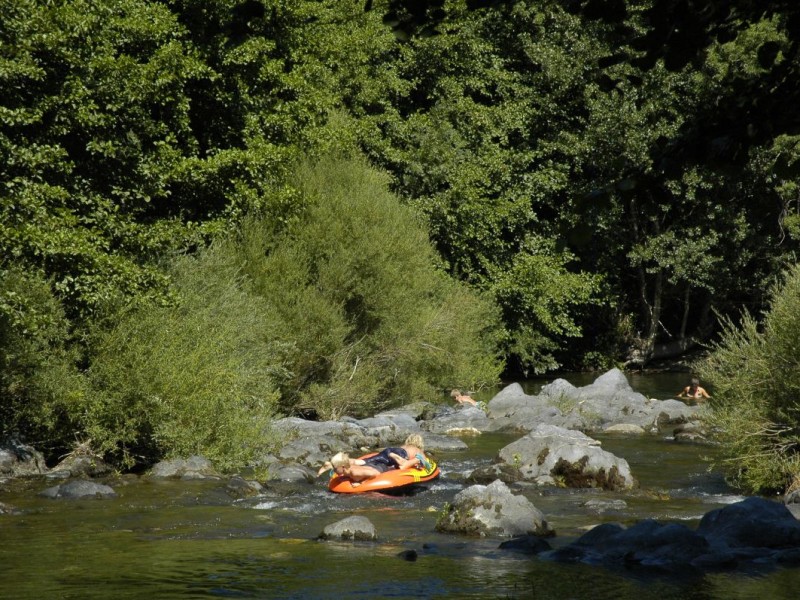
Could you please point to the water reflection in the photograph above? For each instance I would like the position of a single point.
(190, 540)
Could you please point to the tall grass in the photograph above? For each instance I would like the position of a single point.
(755, 373)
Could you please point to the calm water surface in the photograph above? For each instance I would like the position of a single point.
(191, 540)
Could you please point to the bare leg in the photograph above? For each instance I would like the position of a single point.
(359, 473)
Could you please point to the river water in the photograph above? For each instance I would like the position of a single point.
(191, 540)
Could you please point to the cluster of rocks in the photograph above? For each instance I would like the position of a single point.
(555, 447)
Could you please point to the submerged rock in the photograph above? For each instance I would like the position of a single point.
(239, 487)
(526, 544)
(79, 488)
(754, 531)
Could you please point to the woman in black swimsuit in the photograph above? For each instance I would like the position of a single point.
(408, 455)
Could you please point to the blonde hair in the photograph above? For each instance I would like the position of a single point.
(455, 393)
(415, 439)
(340, 459)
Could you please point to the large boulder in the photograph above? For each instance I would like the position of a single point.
(310, 451)
(19, 460)
(611, 400)
(389, 428)
(512, 410)
(291, 472)
(670, 547)
(606, 402)
(753, 522)
(492, 510)
(82, 464)
(553, 455)
(458, 421)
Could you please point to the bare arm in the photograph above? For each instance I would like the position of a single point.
(404, 463)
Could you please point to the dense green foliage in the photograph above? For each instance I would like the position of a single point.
(40, 382)
(608, 175)
(581, 124)
(195, 377)
(355, 293)
(756, 406)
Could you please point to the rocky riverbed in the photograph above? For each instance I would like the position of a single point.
(553, 444)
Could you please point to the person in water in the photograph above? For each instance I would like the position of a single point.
(693, 391)
(410, 454)
(462, 398)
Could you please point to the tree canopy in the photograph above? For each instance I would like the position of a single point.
(608, 175)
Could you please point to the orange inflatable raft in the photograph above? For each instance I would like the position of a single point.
(387, 482)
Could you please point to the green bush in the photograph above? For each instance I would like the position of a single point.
(356, 295)
(196, 377)
(755, 373)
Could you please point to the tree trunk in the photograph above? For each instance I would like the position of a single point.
(685, 319)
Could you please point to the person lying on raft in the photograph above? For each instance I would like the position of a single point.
(410, 454)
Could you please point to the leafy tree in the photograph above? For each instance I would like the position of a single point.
(94, 119)
(480, 150)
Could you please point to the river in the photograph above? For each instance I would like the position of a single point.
(191, 540)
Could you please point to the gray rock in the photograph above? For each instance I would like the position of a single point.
(240, 487)
(20, 460)
(608, 401)
(690, 432)
(754, 532)
(464, 418)
(752, 522)
(352, 528)
(83, 465)
(625, 429)
(526, 544)
(79, 488)
(669, 547)
(7, 509)
(488, 473)
(194, 467)
(290, 472)
(600, 506)
(443, 443)
(552, 453)
(492, 510)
